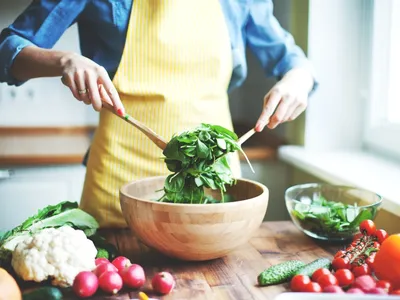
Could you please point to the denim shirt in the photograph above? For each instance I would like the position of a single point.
(102, 27)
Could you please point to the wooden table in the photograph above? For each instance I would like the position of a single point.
(231, 277)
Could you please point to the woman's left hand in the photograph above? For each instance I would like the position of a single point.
(286, 100)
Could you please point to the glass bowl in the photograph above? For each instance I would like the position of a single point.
(330, 212)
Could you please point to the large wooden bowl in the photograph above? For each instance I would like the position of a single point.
(193, 232)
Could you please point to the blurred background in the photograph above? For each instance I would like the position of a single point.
(350, 133)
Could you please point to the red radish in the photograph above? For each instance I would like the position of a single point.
(110, 282)
(85, 284)
(133, 276)
(377, 290)
(333, 289)
(163, 283)
(364, 282)
(354, 291)
(107, 267)
(101, 260)
(121, 262)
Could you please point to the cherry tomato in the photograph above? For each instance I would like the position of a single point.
(396, 292)
(340, 253)
(344, 276)
(361, 270)
(312, 287)
(298, 283)
(384, 284)
(318, 273)
(370, 260)
(376, 245)
(357, 236)
(380, 235)
(327, 280)
(367, 227)
(341, 263)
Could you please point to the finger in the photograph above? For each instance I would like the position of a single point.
(112, 92)
(292, 106)
(91, 83)
(68, 81)
(298, 111)
(104, 95)
(81, 86)
(271, 100)
(280, 112)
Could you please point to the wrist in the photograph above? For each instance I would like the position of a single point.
(65, 59)
(300, 77)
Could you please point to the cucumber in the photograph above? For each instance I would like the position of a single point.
(43, 293)
(311, 267)
(279, 273)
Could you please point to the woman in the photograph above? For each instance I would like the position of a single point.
(169, 63)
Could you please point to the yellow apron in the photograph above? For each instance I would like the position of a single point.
(173, 75)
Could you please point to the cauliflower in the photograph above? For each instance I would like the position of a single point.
(59, 254)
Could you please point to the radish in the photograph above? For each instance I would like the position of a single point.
(333, 289)
(110, 282)
(121, 262)
(377, 290)
(364, 282)
(100, 269)
(101, 260)
(133, 276)
(85, 284)
(163, 283)
(354, 291)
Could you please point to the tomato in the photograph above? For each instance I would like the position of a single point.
(327, 280)
(376, 245)
(367, 227)
(344, 276)
(312, 287)
(298, 283)
(370, 260)
(361, 270)
(357, 236)
(387, 261)
(341, 263)
(396, 292)
(383, 284)
(318, 273)
(380, 235)
(340, 253)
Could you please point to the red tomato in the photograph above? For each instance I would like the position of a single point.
(357, 236)
(376, 245)
(396, 292)
(340, 253)
(298, 283)
(380, 235)
(367, 227)
(341, 263)
(370, 260)
(312, 287)
(327, 280)
(344, 276)
(318, 273)
(384, 284)
(361, 270)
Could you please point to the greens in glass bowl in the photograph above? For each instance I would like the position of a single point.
(330, 212)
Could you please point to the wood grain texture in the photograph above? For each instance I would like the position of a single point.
(233, 277)
(193, 231)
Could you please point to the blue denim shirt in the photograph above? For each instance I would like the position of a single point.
(102, 26)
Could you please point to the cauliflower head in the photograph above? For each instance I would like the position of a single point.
(54, 253)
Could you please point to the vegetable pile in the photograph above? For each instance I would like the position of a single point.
(331, 219)
(369, 265)
(198, 160)
(111, 277)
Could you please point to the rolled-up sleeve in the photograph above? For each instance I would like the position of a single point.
(41, 24)
(272, 45)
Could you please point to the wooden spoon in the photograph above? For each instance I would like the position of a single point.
(246, 136)
(156, 139)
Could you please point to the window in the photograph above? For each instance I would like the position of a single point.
(382, 130)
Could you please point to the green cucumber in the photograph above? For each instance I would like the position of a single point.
(43, 293)
(279, 273)
(311, 267)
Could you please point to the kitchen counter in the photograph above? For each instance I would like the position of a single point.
(230, 277)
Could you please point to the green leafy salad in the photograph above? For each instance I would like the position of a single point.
(198, 160)
(330, 218)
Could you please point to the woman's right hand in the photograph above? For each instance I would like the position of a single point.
(85, 78)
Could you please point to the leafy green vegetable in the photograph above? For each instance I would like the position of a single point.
(52, 216)
(104, 248)
(198, 160)
(330, 218)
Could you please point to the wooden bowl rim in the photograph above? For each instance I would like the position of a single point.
(122, 191)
